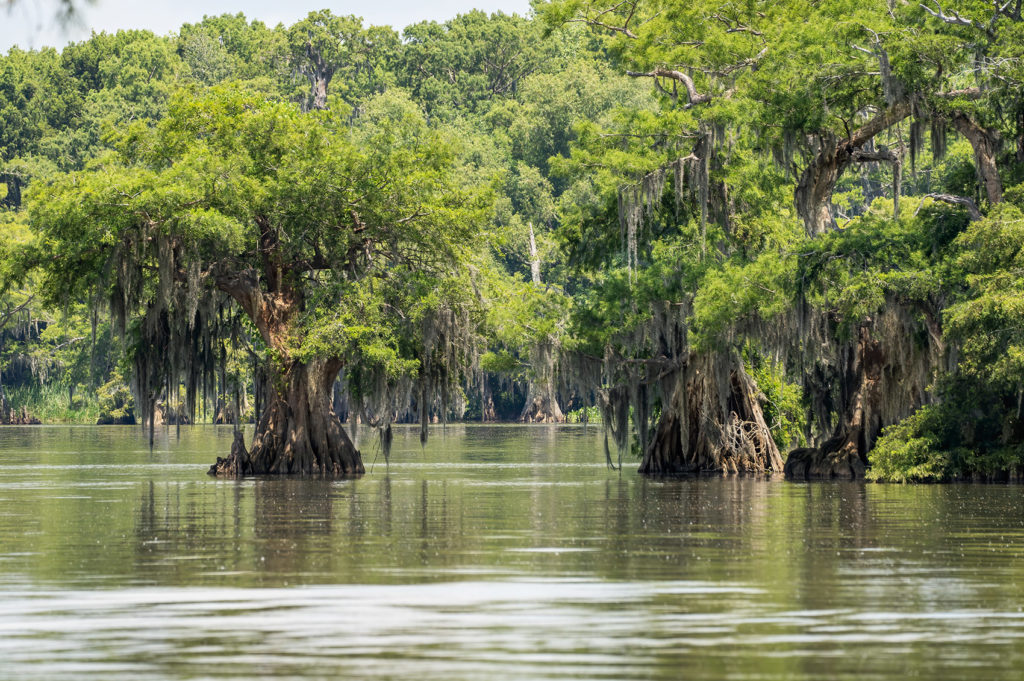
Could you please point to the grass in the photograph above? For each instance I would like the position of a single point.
(49, 404)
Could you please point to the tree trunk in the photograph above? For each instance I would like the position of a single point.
(845, 453)
(541, 405)
(319, 74)
(986, 145)
(13, 198)
(318, 93)
(5, 406)
(883, 377)
(487, 412)
(541, 398)
(813, 194)
(298, 432)
(713, 422)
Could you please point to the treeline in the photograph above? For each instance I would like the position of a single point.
(776, 235)
(494, 82)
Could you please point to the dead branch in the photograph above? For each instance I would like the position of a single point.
(965, 201)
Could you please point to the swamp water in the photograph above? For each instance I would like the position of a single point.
(497, 552)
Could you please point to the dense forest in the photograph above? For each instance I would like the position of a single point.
(745, 237)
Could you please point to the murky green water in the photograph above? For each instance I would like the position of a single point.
(495, 553)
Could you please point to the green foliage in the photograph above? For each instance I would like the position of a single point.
(584, 415)
(464, 64)
(115, 401)
(783, 403)
(738, 291)
(457, 156)
(911, 451)
(335, 50)
(988, 320)
(970, 434)
(49, 403)
(500, 362)
(856, 271)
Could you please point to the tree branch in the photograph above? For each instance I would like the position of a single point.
(68, 342)
(691, 90)
(955, 18)
(624, 29)
(965, 201)
(10, 313)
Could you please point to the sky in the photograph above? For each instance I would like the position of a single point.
(31, 24)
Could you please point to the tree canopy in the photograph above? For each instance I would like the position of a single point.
(741, 233)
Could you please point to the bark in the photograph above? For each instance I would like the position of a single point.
(882, 376)
(985, 143)
(4, 405)
(813, 195)
(298, 432)
(319, 74)
(713, 422)
(693, 96)
(534, 259)
(845, 453)
(13, 198)
(965, 201)
(487, 409)
(318, 92)
(541, 404)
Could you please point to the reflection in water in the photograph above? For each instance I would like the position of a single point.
(494, 552)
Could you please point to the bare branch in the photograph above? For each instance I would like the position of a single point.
(13, 311)
(733, 26)
(596, 19)
(691, 90)
(966, 201)
(68, 342)
(955, 18)
(886, 156)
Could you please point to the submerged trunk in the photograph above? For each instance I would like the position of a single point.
(541, 405)
(845, 453)
(298, 431)
(4, 406)
(883, 376)
(541, 399)
(713, 422)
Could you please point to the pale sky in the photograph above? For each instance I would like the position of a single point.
(32, 24)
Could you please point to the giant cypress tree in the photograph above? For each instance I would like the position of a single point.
(338, 242)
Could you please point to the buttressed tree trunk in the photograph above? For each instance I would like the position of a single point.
(883, 376)
(541, 404)
(713, 422)
(844, 454)
(298, 431)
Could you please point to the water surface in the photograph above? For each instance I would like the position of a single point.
(496, 552)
